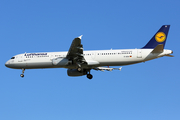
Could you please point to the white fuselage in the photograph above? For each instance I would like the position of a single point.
(94, 58)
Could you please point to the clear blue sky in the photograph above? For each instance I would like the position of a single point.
(145, 91)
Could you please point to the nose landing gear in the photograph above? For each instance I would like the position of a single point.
(22, 75)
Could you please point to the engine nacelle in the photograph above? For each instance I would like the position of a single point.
(75, 72)
(60, 61)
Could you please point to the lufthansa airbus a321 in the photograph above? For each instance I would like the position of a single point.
(79, 62)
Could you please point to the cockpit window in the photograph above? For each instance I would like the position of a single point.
(13, 58)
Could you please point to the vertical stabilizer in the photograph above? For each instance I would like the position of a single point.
(159, 38)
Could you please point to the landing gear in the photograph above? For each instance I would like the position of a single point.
(79, 69)
(22, 75)
(89, 76)
(84, 71)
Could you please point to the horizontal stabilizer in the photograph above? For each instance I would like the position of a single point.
(108, 69)
(169, 55)
(158, 49)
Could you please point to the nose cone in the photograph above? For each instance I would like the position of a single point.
(7, 64)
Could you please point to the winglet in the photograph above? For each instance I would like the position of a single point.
(80, 37)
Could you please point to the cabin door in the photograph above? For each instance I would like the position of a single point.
(139, 53)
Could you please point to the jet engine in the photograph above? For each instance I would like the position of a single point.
(75, 72)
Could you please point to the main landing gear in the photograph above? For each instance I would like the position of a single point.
(22, 75)
(89, 76)
(85, 72)
(79, 69)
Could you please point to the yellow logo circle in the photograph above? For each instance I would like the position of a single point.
(160, 37)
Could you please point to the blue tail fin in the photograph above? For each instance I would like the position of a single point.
(159, 38)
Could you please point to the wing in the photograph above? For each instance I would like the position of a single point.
(75, 53)
(108, 69)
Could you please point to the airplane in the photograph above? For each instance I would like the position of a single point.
(79, 62)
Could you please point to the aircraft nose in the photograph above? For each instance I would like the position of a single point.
(7, 64)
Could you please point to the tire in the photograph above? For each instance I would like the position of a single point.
(89, 76)
(22, 75)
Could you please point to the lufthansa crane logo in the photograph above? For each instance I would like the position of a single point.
(160, 37)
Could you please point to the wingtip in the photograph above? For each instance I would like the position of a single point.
(80, 37)
(120, 68)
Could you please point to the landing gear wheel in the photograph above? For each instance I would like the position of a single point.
(22, 75)
(79, 69)
(89, 76)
